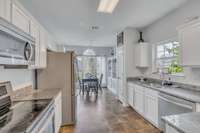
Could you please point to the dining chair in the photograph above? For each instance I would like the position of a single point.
(93, 85)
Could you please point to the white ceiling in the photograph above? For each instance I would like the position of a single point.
(70, 21)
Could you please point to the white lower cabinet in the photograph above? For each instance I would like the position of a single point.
(58, 112)
(145, 101)
(151, 106)
(131, 95)
(139, 99)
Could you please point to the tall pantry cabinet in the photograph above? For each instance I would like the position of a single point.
(125, 61)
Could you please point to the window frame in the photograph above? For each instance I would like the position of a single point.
(155, 67)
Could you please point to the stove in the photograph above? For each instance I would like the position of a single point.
(18, 117)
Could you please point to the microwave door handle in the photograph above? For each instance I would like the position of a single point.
(176, 103)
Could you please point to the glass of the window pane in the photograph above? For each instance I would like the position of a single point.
(168, 50)
(160, 48)
(160, 54)
(176, 47)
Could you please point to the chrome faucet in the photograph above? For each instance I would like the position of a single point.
(162, 76)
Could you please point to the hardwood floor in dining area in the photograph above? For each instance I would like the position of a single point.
(105, 114)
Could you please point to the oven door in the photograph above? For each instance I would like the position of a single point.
(48, 125)
(170, 105)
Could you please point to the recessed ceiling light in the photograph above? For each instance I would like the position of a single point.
(107, 6)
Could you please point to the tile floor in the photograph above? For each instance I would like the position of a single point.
(105, 114)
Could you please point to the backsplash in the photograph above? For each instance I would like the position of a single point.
(191, 76)
(19, 77)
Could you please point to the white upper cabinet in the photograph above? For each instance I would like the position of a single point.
(190, 43)
(35, 32)
(5, 9)
(26, 22)
(43, 48)
(142, 52)
(20, 19)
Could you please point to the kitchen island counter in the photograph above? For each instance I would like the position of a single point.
(184, 123)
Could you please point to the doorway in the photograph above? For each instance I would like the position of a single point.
(94, 65)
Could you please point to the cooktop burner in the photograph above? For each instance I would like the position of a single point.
(21, 115)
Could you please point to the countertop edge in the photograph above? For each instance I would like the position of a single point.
(172, 125)
(39, 94)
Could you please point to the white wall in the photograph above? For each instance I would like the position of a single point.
(18, 77)
(130, 41)
(79, 50)
(165, 29)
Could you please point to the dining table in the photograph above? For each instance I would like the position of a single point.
(87, 81)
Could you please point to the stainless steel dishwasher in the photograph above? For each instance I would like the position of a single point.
(170, 105)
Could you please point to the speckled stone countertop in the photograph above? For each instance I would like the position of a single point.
(36, 94)
(24, 110)
(22, 115)
(184, 91)
(184, 123)
(2, 82)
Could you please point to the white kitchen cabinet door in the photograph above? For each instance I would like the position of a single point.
(142, 55)
(20, 19)
(35, 32)
(131, 95)
(5, 9)
(43, 48)
(189, 42)
(58, 112)
(151, 106)
(139, 99)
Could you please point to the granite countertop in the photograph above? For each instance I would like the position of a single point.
(184, 123)
(22, 115)
(2, 82)
(24, 110)
(187, 92)
(36, 94)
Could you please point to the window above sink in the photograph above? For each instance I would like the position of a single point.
(167, 57)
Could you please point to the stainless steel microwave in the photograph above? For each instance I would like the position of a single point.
(16, 46)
